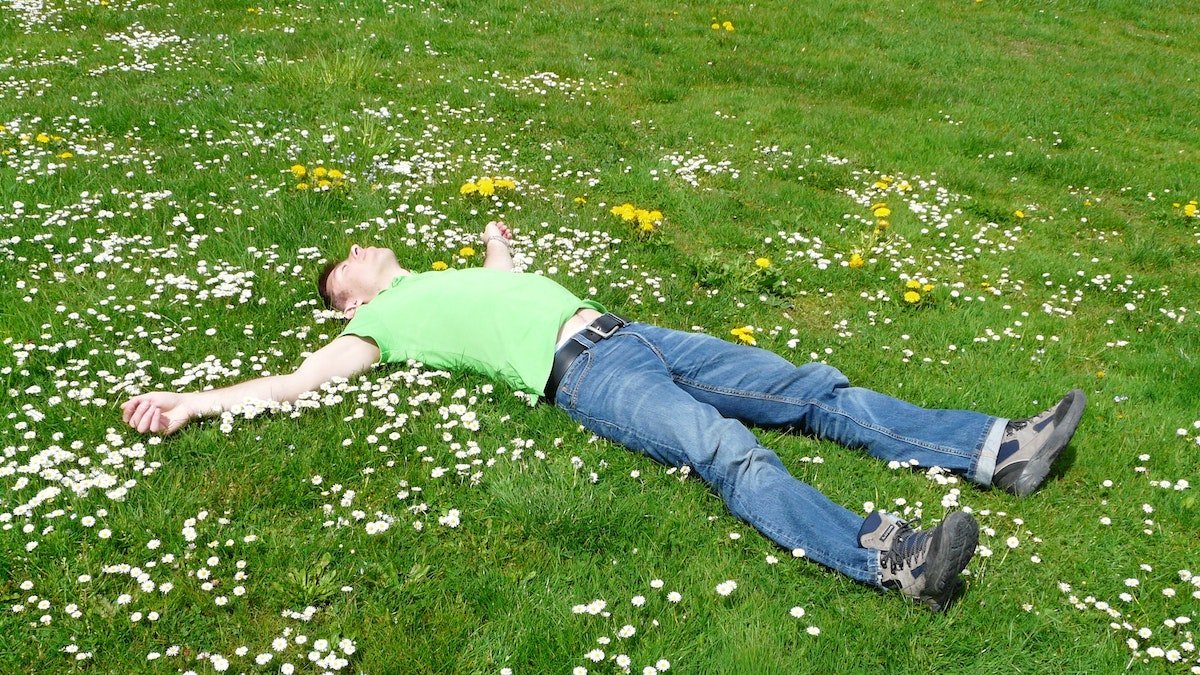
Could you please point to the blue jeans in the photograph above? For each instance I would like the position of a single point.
(683, 399)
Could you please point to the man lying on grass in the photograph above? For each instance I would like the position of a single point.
(682, 398)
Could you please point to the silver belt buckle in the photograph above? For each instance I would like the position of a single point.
(604, 335)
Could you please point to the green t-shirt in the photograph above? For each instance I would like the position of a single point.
(498, 323)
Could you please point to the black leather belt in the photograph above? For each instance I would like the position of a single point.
(600, 329)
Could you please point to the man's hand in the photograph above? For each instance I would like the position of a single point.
(497, 255)
(158, 412)
(495, 229)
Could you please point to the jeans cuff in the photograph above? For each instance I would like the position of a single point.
(874, 571)
(985, 464)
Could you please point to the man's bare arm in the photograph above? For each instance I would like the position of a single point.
(162, 412)
(496, 237)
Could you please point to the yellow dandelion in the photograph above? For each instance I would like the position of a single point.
(65, 155)
(728, 25)
(882, 225)
(881, 211)
(646, 227)
(744, 335)
(323, 183)
(1019, 213)
(903, 185)
(42, 138)
(301, 186)
(1100, 374)
(299, 170)
(927, 287)
(334, 174)
(716, 26)
(487, 187)
(506, 184)
(856, 261)
(438, 266)
(320, 172)
(763, 263)
(625, 211)
(468, 189)
(912, 283)
(1189, 210)
(912, 297)
(466, 251)
(580, 200)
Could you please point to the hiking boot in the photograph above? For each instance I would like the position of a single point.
(922, 564)
(1031, 445)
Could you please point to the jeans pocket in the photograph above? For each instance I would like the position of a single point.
(567, 396)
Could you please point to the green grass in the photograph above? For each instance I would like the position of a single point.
(1078, 114)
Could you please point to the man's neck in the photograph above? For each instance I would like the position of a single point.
(387, 280)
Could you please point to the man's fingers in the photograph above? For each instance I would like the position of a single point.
(135, 413)
(128, 407)
(147, 420)
(141, 419)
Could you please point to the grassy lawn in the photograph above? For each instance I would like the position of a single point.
(963, 204)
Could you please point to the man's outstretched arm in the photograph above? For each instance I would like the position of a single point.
(163, 412)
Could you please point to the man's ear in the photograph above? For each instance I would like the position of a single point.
(349, 311)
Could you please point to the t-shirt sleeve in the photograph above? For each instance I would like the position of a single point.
(391, 350)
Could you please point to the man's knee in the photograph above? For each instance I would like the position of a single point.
(821, 378)
(748, 467)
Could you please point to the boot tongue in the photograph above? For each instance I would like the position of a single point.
(877, 531)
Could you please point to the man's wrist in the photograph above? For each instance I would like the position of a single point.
(200, 404)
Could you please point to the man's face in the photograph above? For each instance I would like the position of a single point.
(357, 279)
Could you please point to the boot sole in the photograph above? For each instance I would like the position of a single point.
(949, 552)
(1038, 467)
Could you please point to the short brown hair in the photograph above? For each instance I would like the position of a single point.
(323, 285)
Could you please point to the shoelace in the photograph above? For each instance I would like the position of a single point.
(1017, 425)
(907, 545)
